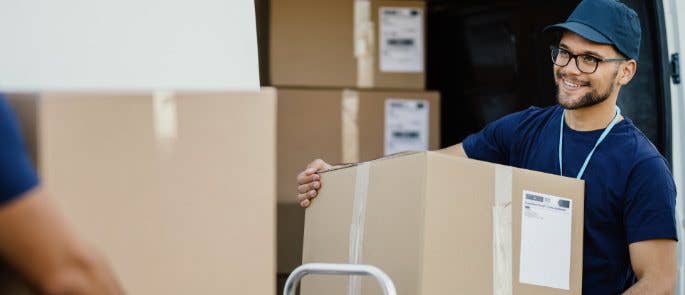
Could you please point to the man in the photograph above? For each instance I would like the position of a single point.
(630, 233)
(34, 237)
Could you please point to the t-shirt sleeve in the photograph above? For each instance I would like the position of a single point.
(649, 211)
(17, 174)
(493, 143)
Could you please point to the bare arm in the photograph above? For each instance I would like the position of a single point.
(455, 150)
(36, 240)
(654, 263)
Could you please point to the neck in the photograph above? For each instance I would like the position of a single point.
(592, 118)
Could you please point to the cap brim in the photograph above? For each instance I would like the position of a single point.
(581, 29)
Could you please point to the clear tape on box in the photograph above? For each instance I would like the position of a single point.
(502, 232)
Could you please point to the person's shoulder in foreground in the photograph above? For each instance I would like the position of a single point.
(17, 174)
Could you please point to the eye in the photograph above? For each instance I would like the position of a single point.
(589, 59)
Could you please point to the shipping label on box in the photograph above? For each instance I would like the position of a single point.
(406, 125)
(401, 39)
(546, 240)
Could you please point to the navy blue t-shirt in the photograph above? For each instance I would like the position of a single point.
(629, 190)
(17, 175)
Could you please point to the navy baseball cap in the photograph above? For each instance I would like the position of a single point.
(605, 22)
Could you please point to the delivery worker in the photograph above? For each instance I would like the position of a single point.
(34, 238)
(630, 233)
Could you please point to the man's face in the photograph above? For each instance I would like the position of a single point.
(577, 89)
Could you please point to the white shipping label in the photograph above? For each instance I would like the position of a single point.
(406, 125)
(546, 240)
(401, 39)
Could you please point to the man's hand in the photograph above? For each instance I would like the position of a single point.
(36, 240)
(309, 182)
(654, 263)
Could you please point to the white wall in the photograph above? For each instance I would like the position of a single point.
(128, 45)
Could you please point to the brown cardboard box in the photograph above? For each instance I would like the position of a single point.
(347, 43)
(178, 191)
(347, 126)
(440, 224)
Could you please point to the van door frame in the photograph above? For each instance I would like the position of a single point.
(670, 10)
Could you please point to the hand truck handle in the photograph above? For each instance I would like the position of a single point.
(339, 269)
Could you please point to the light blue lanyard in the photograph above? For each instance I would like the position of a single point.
(601, 138)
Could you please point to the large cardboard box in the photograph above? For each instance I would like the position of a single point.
(441, 224)
(348, 126)
(177, 190)
(347, 43)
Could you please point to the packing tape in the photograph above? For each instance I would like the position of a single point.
(364, 45)
(502, 232)
(350, 126)
(357, 227)
(165, 115)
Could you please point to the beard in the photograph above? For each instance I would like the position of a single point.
(591, 98)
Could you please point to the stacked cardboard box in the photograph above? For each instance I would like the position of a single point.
(347, 126)
(351, 87)
(174, 189)
(442, 224)
(347, 43)
(342, 126)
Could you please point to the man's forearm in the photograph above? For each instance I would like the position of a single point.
(37, 241)
(650, 286)
(455, 150)
(85, 273)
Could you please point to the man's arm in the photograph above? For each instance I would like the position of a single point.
(455, 150)
(36, 240)
(654, 263)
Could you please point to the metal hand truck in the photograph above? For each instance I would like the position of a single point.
(339, 269)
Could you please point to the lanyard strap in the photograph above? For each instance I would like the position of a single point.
(587, 159)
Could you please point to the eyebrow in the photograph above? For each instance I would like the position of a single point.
(587, 52)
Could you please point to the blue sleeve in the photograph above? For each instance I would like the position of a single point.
(17, 174)
(649, 211)
(493, 143)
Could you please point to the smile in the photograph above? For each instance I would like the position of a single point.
(570, 85)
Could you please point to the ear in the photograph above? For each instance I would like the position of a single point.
(626, 72)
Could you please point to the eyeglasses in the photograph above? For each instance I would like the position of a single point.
(586, 63)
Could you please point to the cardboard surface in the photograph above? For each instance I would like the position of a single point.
(312, 44)
(429, 225)
(310, 127)
(173, 215)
